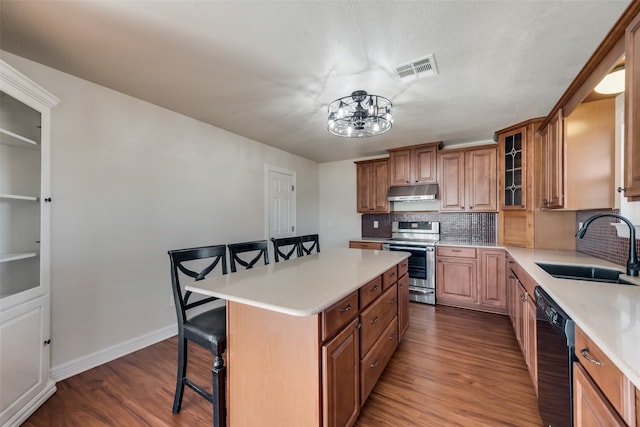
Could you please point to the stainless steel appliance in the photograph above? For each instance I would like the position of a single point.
(555, 334)
(418, 238)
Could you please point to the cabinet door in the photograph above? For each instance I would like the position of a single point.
(513, 172)
(591, 408)
(553, 163)
(424, 165)
(341, 378)
(451, 167)
(403, 305)
(456, 279)
(400, 167)
(380, 186)
(481, 180)
(531, 346)
(493, 293)
(364, 183)
(24, 352)
(632, 110)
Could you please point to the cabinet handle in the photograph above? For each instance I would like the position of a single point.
(375, 320)
(456, 250)
(347, 308)
(585, 353)
(47, 342)
(392, 274)
(376, 362)
(622, 189)
(392, 337)
(375, 288)
(392, 300)
(48, 200)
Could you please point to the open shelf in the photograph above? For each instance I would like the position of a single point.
(15, 256)
(10, 138)
(19, 197)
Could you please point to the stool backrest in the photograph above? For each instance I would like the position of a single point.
(286, 248)
(258, 249)
(309, 243)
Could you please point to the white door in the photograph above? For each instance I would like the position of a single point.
(282, 203)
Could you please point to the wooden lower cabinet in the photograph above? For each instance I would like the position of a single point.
(522, 311)
(591, 408)
(374, 362)
(341, 379)
(471, 278)
(403, 305)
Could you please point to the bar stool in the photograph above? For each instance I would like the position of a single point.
(258, 248)
(207, 329)
(286, 247)
(308, 243)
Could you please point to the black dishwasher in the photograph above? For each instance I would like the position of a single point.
(555, 335)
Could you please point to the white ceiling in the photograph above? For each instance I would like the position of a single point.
(268, 69)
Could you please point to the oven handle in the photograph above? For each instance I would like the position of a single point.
(407, 248)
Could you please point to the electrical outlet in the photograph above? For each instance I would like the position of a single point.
(171, 302)
(375, 224)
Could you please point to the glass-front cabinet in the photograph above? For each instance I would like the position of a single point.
(513, 180)
(24, 246)
(20, 196)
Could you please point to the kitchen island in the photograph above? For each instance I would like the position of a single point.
(295, 349)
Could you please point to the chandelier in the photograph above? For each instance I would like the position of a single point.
(359, 115)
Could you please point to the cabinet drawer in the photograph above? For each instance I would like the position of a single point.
(339, 315)
(613, 384)
(389, 277)
(375, 318)
(370, 291)
(374, 362)
(403, 268)
(365, 245)
(457, 252)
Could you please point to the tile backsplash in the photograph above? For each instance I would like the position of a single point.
(601, 239)
(467, 227)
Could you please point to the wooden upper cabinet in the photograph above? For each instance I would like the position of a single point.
(372, 186)
(552, 172)
(413, 165)
(468, 180)
(632, 110)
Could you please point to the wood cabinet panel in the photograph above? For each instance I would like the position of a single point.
(468, 180)
(374, 362)
(339, 314)
(341, 381)
(413, 165)
(372, 186)
(591, 408)
(370, 292)
(492, 283)
(632, 110)
(456, 280)
(552, 178)
(403, 305)
(376, 318)
(365, 245)
(613, 384)
(457, 251)
(389, 277)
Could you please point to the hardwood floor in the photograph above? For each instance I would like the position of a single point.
(454, 368)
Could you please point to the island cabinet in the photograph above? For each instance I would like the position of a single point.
(413, 165)
(604, 396)
(309, 370)
(468, 180)
(471, 278)
(372, 186)
(522, 312)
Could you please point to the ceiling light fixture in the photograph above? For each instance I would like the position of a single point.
(359, 115)
(612, 82)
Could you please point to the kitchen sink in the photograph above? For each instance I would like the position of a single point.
(584, 272)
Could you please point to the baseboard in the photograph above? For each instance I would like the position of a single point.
(25, 412)
(81, 364)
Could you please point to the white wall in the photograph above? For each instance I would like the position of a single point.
(339, 220)
(131, 180)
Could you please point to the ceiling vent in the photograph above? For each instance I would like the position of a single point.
(418, 68)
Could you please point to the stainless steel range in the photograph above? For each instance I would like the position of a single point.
(419, 238)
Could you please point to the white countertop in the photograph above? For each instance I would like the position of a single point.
(303, 286)
(608, 313)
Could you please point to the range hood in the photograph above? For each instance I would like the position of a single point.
(412, 193)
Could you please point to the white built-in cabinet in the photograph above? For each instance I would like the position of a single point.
(25, 201)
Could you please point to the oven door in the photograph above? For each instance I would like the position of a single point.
(421, 271)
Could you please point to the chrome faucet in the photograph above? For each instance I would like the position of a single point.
(633, 266)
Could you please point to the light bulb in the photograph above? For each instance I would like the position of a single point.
(376, 127)
(611, 83)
